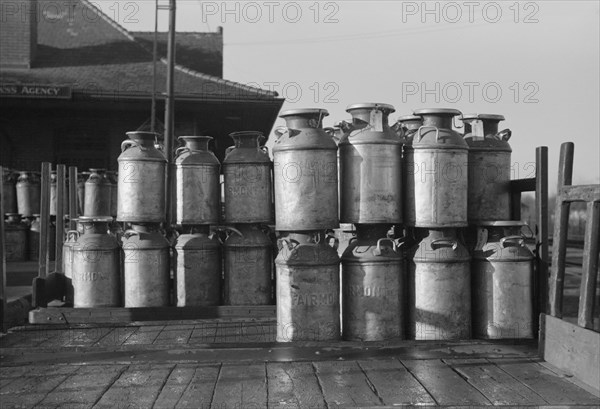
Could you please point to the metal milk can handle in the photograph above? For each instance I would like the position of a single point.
(504, 135)
(280, 130)
(72, 233)
(420, 135)
(229, 149)
(291, 244)
(512, 241)
(128, 143)
(128, 233)
(377, 251)
(398, 129)
(330, 234)
(445, 243)
(179, 150)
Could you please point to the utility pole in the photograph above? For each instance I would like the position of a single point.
(170, 109)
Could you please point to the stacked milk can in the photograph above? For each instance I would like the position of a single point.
(197, 206)
(91, 256)
(373, 267)
(16, 230)
(502, 269)
(306, 205)
(248, 187)
(141, 203)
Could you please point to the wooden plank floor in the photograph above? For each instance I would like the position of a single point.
(318, 384)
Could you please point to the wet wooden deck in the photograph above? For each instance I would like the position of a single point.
(236, 364)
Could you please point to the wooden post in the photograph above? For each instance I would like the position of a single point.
(44, 258)
(60, 216)
(72, 197)
(561, 225)
(3, 295)
(587, 295)
(515, 205)
(541, 210)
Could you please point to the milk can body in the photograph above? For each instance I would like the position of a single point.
(373, 287)
(141, 180)
(9, 193)
(370, 167)
(308, 288)
(114, 192)
(54, 196)
(198, 269)
(248, 264)
(28, 194)
(81, 178)
(502, 276)
(489, 168)
(439, 287)
(305, 173)
(197, 182)
(436, 193)
(15, 232)
(248, 182)
(95, 273)
(146, 267)
(68, 254)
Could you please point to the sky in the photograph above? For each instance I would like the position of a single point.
(536, 63)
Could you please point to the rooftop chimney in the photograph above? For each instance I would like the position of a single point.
(18, 33)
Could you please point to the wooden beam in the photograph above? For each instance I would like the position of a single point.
(515, 205)
(580, 193)
(587, 295)
(523, 185)
(72, 197)
(60, 216)
(561, 225)
(3, 295)
(44, 257)
(541, 210)
(571, 348)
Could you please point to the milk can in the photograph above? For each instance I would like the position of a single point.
(489, 168)
(28, 194)
(248, 182)
(68, 254)
(436, 192)
(33, 239)
(439, 287)
(114, 194)
(15, 236)
(373, 285)
(146, 267)
(308, 288)
(197, 268)
(197, 182)
(141, 183)
(305, 173)
(98, 190)
(370, 167)
(248, 264)
(9, 194)
(502, 277)
(95, 273)
(81, 178)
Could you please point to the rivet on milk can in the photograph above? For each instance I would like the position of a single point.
(141, 180)
(197, 268)
(502, 277)
(28, 189)
(370, 167)
(305, 173)
(439, 287)
(373, 286)
(436, 192)
(98, 190)
(95, 273)
(197, 182)
(9, 193)
(15, 236)
(33, 239)
(146, 267)
(248, 181)
(489, 168)
(248, 257)
(308, 288)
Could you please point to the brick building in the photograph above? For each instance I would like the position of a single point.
(72, 82)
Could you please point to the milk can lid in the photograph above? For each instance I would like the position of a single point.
(405, 118)
(491, 117)
(304, 111)
(371, 105)
(436, 111)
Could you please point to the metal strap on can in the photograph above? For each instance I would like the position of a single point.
(420, 134)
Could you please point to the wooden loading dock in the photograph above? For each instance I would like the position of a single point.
(226, 357)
